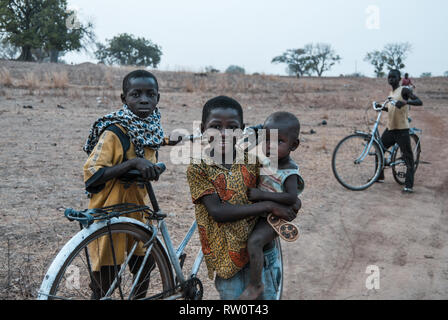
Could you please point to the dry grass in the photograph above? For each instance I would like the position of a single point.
(31, 81)
(189, 86)
(109, 79)
(60, 80)
(5, 77)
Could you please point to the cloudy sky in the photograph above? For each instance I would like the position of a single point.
(198, 33)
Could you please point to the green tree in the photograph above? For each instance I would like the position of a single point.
(322, 57)
(378, 60)
(426, 75)
(42, 25)
(445, 74)
(297, 60)
(124, 49)
(235, 70)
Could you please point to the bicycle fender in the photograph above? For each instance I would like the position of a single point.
(362, 133)
(62, 256)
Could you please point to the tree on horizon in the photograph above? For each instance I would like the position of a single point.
(42, 26)
(125, 49)
(313, 58)
(391, 57)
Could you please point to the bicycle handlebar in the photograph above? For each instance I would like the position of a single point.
(382, 106)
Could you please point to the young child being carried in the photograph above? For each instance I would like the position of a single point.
(224, 214)
(281, 186)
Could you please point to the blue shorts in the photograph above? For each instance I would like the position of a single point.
(231, 289)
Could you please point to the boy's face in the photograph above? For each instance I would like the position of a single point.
(286, 143)
(393, 79)
(142, 96)
(222, 122)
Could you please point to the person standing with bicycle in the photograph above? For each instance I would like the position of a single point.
(397, 130)
(125, 140)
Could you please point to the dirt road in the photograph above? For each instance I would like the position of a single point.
(343, 232)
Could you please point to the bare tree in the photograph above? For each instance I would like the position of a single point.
(322, 57)
(395, 55)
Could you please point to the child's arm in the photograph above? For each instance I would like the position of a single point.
(147, 169)
(287, 198)
(411, 99)
(225, 213)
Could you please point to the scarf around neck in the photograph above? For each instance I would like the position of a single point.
(142, 133)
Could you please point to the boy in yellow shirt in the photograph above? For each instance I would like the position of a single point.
(138, 125)
(398, 125)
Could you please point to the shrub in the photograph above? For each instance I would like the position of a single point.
(235, 70)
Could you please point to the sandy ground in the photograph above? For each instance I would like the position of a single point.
(343, 232)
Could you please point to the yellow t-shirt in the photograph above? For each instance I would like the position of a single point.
(108, 153)
(398, 118)
(224, 244)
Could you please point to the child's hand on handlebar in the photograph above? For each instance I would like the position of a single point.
(148, 170)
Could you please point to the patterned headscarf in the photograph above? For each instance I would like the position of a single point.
(146, 132)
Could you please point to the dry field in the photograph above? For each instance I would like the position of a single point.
(343, 232)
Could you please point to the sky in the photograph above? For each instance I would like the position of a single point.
(194, 34)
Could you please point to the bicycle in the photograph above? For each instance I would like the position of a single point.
(359, 159)
(161, 271)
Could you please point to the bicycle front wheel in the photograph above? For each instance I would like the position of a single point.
(78, 274)
(280, 262)
(399, 165)
(355, 165)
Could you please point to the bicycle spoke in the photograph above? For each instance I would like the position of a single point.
(77, 280)
(356, 162)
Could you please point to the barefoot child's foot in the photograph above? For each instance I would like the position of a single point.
(252, 293)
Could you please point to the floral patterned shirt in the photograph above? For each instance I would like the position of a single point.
(224, 244)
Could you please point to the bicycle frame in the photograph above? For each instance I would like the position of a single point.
(174, 255)
(375, 137)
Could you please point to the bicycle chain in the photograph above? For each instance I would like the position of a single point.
(192, 288)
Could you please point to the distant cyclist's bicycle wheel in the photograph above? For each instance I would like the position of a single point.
(355, 165)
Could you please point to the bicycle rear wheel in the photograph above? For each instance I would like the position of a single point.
(353, 172)
(71, 275)
(399, 168)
